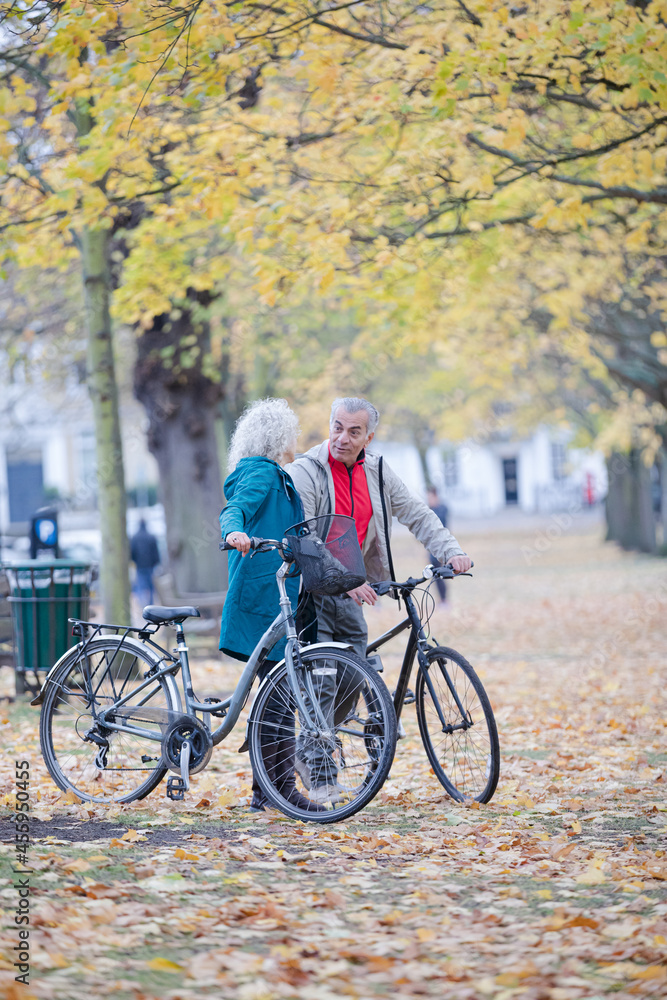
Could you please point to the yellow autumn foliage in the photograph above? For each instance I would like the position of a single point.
(447, 173)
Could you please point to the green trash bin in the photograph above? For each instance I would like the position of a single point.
(43, 595)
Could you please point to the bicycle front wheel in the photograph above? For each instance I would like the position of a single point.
(457, 726)
(81, 754)
(325, 775)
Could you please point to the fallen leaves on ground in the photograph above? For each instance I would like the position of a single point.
(553, 891)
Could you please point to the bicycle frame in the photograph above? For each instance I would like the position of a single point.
(417, 643)
(232, 706)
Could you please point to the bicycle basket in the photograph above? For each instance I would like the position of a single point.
(326, 550)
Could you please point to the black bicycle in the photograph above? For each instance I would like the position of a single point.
(454, 713)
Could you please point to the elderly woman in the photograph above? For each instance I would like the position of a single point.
(261, 501)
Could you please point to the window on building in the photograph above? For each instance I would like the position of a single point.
(450, 469)
(87, 470)
(25, 484)
(510, 476)
(558, 461)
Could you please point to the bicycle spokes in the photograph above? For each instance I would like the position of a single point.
(334, 767)
(99, 751)
(457, 726)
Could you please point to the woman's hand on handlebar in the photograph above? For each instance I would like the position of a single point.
(363, 594)
(460, 564)
(238, 540)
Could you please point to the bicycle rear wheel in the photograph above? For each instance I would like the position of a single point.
(462, 747)
(327, 776)
(108, 766)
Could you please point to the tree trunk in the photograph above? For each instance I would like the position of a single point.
(629, 508)
(423, 438)
(94, 247)
(662, 466)
(182, 401)
(104, 394)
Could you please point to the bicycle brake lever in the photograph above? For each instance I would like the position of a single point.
(261, 545)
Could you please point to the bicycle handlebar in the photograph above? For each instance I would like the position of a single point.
(258, 545)
(444, 572)
(226, 547)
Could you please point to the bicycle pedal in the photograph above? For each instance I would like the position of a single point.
(409, 699)
(176, 788)
(219, 713)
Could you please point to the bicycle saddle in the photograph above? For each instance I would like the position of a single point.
(160, 616)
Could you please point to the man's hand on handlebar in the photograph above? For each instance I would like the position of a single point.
(363, 594)
(460, 564)
(238, 540)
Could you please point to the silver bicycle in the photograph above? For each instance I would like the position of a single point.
(321, 731)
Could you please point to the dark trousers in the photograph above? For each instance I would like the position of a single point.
(143, 586)
(339, 619)
(278, 720)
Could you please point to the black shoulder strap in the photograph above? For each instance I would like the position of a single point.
(384, 515)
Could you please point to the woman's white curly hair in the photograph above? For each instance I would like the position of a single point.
(267, 428)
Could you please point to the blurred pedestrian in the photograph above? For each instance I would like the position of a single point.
(145, 555)
(589, 489)
(440, 510)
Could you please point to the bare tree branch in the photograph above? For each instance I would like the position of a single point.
(566, 157)
(372, 39)
(470, 15)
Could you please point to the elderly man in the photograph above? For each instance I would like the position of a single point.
(338, 476)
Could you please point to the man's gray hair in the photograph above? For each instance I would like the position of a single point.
(267, 428)
(352, 404)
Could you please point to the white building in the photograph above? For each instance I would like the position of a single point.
(538, 473)
(47, 450)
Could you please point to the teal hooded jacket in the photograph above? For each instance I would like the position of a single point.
(261, 501)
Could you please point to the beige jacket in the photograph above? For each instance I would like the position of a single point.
(312, 477)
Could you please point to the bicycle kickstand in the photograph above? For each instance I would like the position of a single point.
(178, 785)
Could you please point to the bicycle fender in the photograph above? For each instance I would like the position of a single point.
(306, 649)
(39, 698)
(37, 701)
(318, 645)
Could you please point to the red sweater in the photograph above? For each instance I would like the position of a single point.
(352, 496)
